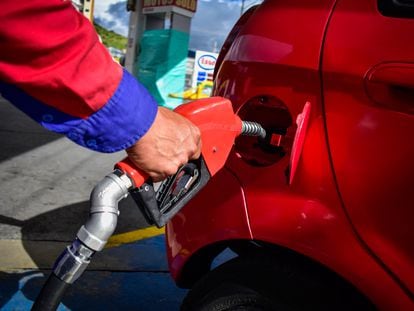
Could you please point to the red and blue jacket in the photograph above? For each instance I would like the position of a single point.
(53, 68)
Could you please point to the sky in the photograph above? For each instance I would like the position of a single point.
(209, 27)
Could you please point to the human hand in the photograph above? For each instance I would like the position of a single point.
(171, 142)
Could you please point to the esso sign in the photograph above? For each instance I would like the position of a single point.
(207, 62)
(204, 63)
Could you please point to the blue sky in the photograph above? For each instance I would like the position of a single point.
(209, 27)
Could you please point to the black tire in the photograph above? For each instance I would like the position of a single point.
(262, 283)
(231, 296)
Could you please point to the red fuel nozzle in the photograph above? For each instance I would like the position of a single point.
(137, 175)
(219, 127)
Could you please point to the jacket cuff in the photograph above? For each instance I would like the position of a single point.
(125, 118)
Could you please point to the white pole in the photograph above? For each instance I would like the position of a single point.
(135, 30)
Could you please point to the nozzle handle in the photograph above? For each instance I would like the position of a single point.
(138, 176)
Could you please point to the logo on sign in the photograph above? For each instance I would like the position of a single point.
(207, 62)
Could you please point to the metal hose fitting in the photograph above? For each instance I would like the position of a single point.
(72, 262)
(101, 224)
(250, 128)
(104, 211)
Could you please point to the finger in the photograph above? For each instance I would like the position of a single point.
(197, 153)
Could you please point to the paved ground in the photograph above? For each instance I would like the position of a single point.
(45, 182)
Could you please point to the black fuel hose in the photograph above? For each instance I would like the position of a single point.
(51, 294)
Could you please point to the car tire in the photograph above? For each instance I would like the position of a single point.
(235, 297)
(261, 283)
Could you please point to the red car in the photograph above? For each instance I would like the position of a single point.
(321, 214)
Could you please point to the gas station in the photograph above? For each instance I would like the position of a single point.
(157, 50)
(158, 46)
(301, 156)
(39, 221)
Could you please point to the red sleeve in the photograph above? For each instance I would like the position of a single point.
(51, 52)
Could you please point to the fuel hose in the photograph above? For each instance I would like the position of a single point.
(51, 294)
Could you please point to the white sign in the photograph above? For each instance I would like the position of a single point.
(204, 64)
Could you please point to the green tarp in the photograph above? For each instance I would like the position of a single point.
(162, 64)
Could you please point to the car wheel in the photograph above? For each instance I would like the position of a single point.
(262, 283)
(232, 297)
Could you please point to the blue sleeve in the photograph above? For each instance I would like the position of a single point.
(123, 120)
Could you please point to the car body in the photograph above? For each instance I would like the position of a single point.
(334, 190)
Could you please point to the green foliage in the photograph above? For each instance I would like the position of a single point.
(110, 38)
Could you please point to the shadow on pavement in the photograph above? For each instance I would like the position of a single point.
(151, 288)
(7, 291)
(62, 224)
(96, 291)
(19, 133)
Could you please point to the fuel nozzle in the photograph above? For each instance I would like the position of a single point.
(219, 127)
